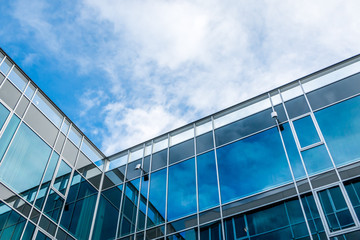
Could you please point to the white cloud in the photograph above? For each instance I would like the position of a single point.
(166, 63)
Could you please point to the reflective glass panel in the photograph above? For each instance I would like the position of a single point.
(41, 236)
(129, 207)
(29, 231)
(341, 133)
(204, 142)
(30, 91)
(107, 214)
(159, 160)
(316, 160)
(74, 136)
(181, 151)
(313, 217)
(211, 231)
(207, 181)
(157, 194)
(53, 206)
(18, 79)
(8, 134)
(142, 206)
(47, 108)
(252, 165)
(306, 131)
(62, 177)
(292, 151)
(297, 106)
(337, 213)
(11, 223)
(353, 190)
(182, 190)
(25, 162)
(132, 171)
(4, 113)
(188, 235)
(79, 208)
(5, 66)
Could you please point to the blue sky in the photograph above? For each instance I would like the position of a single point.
(127, 71)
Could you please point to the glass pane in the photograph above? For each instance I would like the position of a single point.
(129, 207)
(30, 91)
(297, 106)
(29, 231)
(132, 171)
(317, 160)
(181, 137)
(157, 194)
(353, 190)
(181, 151)
(252, 165)
(342, 134)
(207, 181)
(335, 209)
(4, 113)
(5, 66)
(182, 190)
(53, 206)
(46, 181)
(62, 177)
(18, 79)
(8, 134)
(25, 162)
(65, 126)
(211, 231)
(79, 208)
(11, 223)
(142, 206)
(306, 131)
(47, 108)
(188, 235)
(159, 160)
(204, 142)
(292, 152)
(74, 136)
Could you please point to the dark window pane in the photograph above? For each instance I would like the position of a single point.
(297, 106)
(62, 177)
(157, 194)
(146, 166)
(106, 220)
(204, 142)
(334, 92)
(211, 231)
(142, 206)
(353, 190)
(53, 206)
(306, 131)
(114, 177)
(159, 160)
(181, 151)
(317, 160)
(29, 231)
(188, 235)
(252, 165)
(342, 134)
(244, 127)
(207, 181)
(11, 223)
(292, 152)
(113, 195)
(25, 161)
(131, 171)
(182, 189)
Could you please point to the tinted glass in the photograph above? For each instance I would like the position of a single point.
(252, 165)
(8, 134)
(29, 231)
(53, 206)
(292, 152)
(342, 134)
(181, 151)
(316, 160)
(296, 107)
(25, 162)
(5, 66)
(131, 171)
(18, 79)
(207, 181)
(211, 231)
(188, 235)
(182, 190)
(157, 194)
(11, 223)
(204, 142)
(335, 209)
(306, 131)
(353, 190)
(159, 160)
(142, 206)
(4, 113)
(62, 177)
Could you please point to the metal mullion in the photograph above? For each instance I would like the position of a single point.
(314, 145)
(118, 226)
(3, 60)
(96, 206)
(342, 187)
(218, 180)
(8, 118)
(167, 185)
(289, 163)
(148, 190)
(196, 179)
(139, 193)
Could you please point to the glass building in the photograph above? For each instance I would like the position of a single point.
(283, 165)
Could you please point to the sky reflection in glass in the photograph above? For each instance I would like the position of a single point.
(306, 132)
(157, 194)
(316, 160)
(182, 189)
(252, 165)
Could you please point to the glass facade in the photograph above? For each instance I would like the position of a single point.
(283, 165)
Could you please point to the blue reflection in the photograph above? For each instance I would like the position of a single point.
(182, 190)
(25, 161)
(8, 134)
(317, 160)
(342, 134)
(207, 181)
(252, 165)
(4, 113)
(292, 152)
(306, 131)
(11, 223)
(157, 194)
